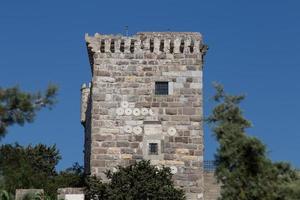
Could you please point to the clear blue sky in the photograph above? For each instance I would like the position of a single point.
(254, 49)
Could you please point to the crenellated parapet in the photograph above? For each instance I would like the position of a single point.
(148, 42)
(147, 45)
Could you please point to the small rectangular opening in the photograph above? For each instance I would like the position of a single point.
(153, 149)
(132, 46)
(181, 48)
(162, 45)
(102, 46)
(171, 46)
(162, 88)
(151, 45)
(112, 46)
(122, 46)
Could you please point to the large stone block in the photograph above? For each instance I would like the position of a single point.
(22, 193)
(70, 193)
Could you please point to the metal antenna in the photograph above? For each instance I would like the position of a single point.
(126, 30)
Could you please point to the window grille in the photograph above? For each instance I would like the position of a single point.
(153, 149)
(161, 88)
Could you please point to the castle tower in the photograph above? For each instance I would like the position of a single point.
(145, 102)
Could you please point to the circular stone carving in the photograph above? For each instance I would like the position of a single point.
(173, 169)
(120, 111)
(144, 111)
(151, 112)
(172, 131)
(136, 112)
(137, 130)
(124, 104)
(128, 111)
(128, 129)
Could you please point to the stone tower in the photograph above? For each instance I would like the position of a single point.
(145, 102)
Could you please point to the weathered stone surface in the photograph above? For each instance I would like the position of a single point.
(188, 111)
(211, 186)
(21, 193)
(70, 193)
(123, 116)
(101, 137)
(171, 111)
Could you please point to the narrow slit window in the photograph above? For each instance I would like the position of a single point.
(151, 45)
(171, 46)
(122, 46)
(142, 44)
(112, 46)
(153, 149)
(181, 48)
(162, 46)
(102, 46)
(192, 47)
(161, 88)
(132, 46)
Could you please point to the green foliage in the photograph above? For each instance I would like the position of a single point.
(95, 188)
(32, 196)
(31, 166)
(4, 195)
(243, 167)
(34, 167)
(18, 107)
(138, 181)
(71, 177)
(291, 190)
(27, 167)
(36, 196)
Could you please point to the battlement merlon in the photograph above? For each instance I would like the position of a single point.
(156, 42)
(160, 44)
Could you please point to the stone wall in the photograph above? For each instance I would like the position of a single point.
(127, 117)
(21, 193)
(211, 186)
(70, 193)
(85, 119)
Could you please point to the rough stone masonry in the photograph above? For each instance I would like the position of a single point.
(145, 102)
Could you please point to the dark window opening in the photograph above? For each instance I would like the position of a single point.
(132, 46)
(192, 46)
(142, 44)
(102, 46)
(112, 46)
(122, 46)
(161, 88)
(153, 149)
(181, 48)
(171, 46)
(151, 45)
(162, 46)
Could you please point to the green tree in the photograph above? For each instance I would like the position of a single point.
(291, 190)
(138, 181)
(4, 195)
(18, 107)
(243, 168)
(71, 177)
(34, 167)
(27, 167)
